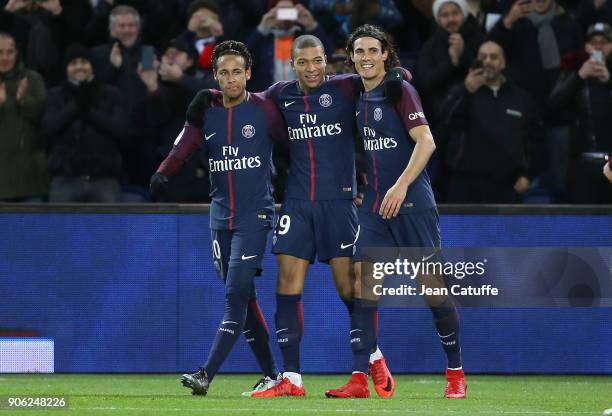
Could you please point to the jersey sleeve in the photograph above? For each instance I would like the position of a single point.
(188, 141)
(277, 128)
(350, 84)
(410, 108)
(273, 92)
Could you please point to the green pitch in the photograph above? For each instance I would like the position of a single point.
(415, 395)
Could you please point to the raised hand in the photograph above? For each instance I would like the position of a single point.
(456, 45)
(115, 56)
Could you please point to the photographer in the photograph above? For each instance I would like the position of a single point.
(497, 127)
(585, 89)
(271, 43)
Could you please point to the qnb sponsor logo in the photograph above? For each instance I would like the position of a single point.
(282, 340)
(353, 340)
(414, 116)
(230, 331)
(310, 129)
(231, 161)
(371, 142)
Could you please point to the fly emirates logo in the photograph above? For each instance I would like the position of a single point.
(371, 142)
(231, 161)
(310, 129)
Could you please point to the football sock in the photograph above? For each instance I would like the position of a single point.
(446, 319)
(237, 293)
(363, 333)
(350, 305)
(289, 330)
(258, 337)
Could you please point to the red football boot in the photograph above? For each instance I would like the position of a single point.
(384, 385)
(284, 388)
(455, 384)
(356, 388)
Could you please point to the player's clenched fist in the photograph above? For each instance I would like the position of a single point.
(158, 185)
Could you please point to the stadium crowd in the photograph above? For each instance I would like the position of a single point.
(94, 92)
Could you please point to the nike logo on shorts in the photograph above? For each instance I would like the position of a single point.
(248, 257)
(343, 246)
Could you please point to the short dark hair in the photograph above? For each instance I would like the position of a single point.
(232, 47)
(306, 41)
(203, 4)
(371, 31)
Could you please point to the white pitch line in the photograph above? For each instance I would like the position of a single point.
(315, 410)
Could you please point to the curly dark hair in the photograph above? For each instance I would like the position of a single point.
(371, 31)
(232, 47)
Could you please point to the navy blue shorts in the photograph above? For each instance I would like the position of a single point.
(419, 229)
(323, 229)
(238, 248)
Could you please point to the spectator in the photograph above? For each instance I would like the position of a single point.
(179, 85)
(204, 29)
(446, 57)
(443, 62)
(50, 25)
(15, 24)
(585, 89)
(23, 175)
(270, 44)
(84, 122)
(496, 120)
(159, 20)
(340, 17)
(119, 63)
(240, 17)
(536, 35)
(178, 68)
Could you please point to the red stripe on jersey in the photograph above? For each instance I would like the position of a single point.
(374, 172)
(256, 310)
(365, 123)
(365, 109)
(230, 183)
(310, 155)
(312, 170)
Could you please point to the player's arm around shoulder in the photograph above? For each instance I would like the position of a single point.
(275, 123)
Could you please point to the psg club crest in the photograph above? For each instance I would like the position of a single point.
(248, 131)
(325, 100)
(377, 114)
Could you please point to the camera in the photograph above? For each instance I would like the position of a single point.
(597, 56)
(477, 64)
(287, 13)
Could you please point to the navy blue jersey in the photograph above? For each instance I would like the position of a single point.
(384, 128)
(321, 128)
(238, 143)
